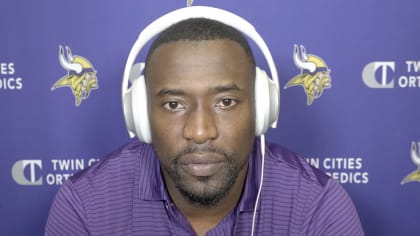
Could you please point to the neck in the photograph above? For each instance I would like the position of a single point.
(204, 218)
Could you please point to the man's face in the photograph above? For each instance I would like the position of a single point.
(201, 106)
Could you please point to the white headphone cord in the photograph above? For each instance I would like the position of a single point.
(262, 147)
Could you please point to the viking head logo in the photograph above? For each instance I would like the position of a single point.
(314, 76)
(80, 78)
(415, 157)
(190, 3)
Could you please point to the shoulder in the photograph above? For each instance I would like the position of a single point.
(324, 206)
(284, 167)
(121, 162)
(90, 199)
(284, 161)
(113, 175)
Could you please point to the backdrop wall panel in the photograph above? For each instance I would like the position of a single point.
(358, 120)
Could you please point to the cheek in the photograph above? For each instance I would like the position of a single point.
(166, 134)
(238, 130)
(242, 124)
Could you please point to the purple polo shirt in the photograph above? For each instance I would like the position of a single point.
(124, 194)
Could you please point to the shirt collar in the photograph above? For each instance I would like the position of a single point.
(152, 186)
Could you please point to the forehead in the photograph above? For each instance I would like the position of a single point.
(215, 60)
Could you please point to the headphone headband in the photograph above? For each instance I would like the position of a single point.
(211, 13)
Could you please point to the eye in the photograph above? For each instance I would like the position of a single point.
(173, 106)
(226, 103)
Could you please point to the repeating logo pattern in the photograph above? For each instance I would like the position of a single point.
(314, 74)
(381, 74)
(415, 157)
(18, 172)
(81, 76)
(50, 172)
(8, 77)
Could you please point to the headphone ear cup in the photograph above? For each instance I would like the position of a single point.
(128, 113)
(140, 112)
(262, 102)
(266, 102)
(274, 103)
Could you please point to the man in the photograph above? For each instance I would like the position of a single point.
(201, 173)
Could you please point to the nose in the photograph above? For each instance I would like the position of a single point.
(200, 126)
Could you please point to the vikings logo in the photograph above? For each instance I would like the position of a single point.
(80, 78)
(314, 76)
(415, 157)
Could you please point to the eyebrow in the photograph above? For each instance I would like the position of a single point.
(180, 92)
(225, 88)
(173, 92)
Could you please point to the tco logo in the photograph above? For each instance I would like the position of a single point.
(410, 78)
(369, 72)
(31, 167)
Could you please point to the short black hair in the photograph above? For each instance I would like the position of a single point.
(200, 29)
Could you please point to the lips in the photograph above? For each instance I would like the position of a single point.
(202, 164)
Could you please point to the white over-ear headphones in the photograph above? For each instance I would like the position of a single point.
(134, 98)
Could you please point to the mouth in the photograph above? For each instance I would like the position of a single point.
(201, 165)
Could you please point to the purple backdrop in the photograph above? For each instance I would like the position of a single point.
(363, 130)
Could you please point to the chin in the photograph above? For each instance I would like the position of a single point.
(205, 191)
